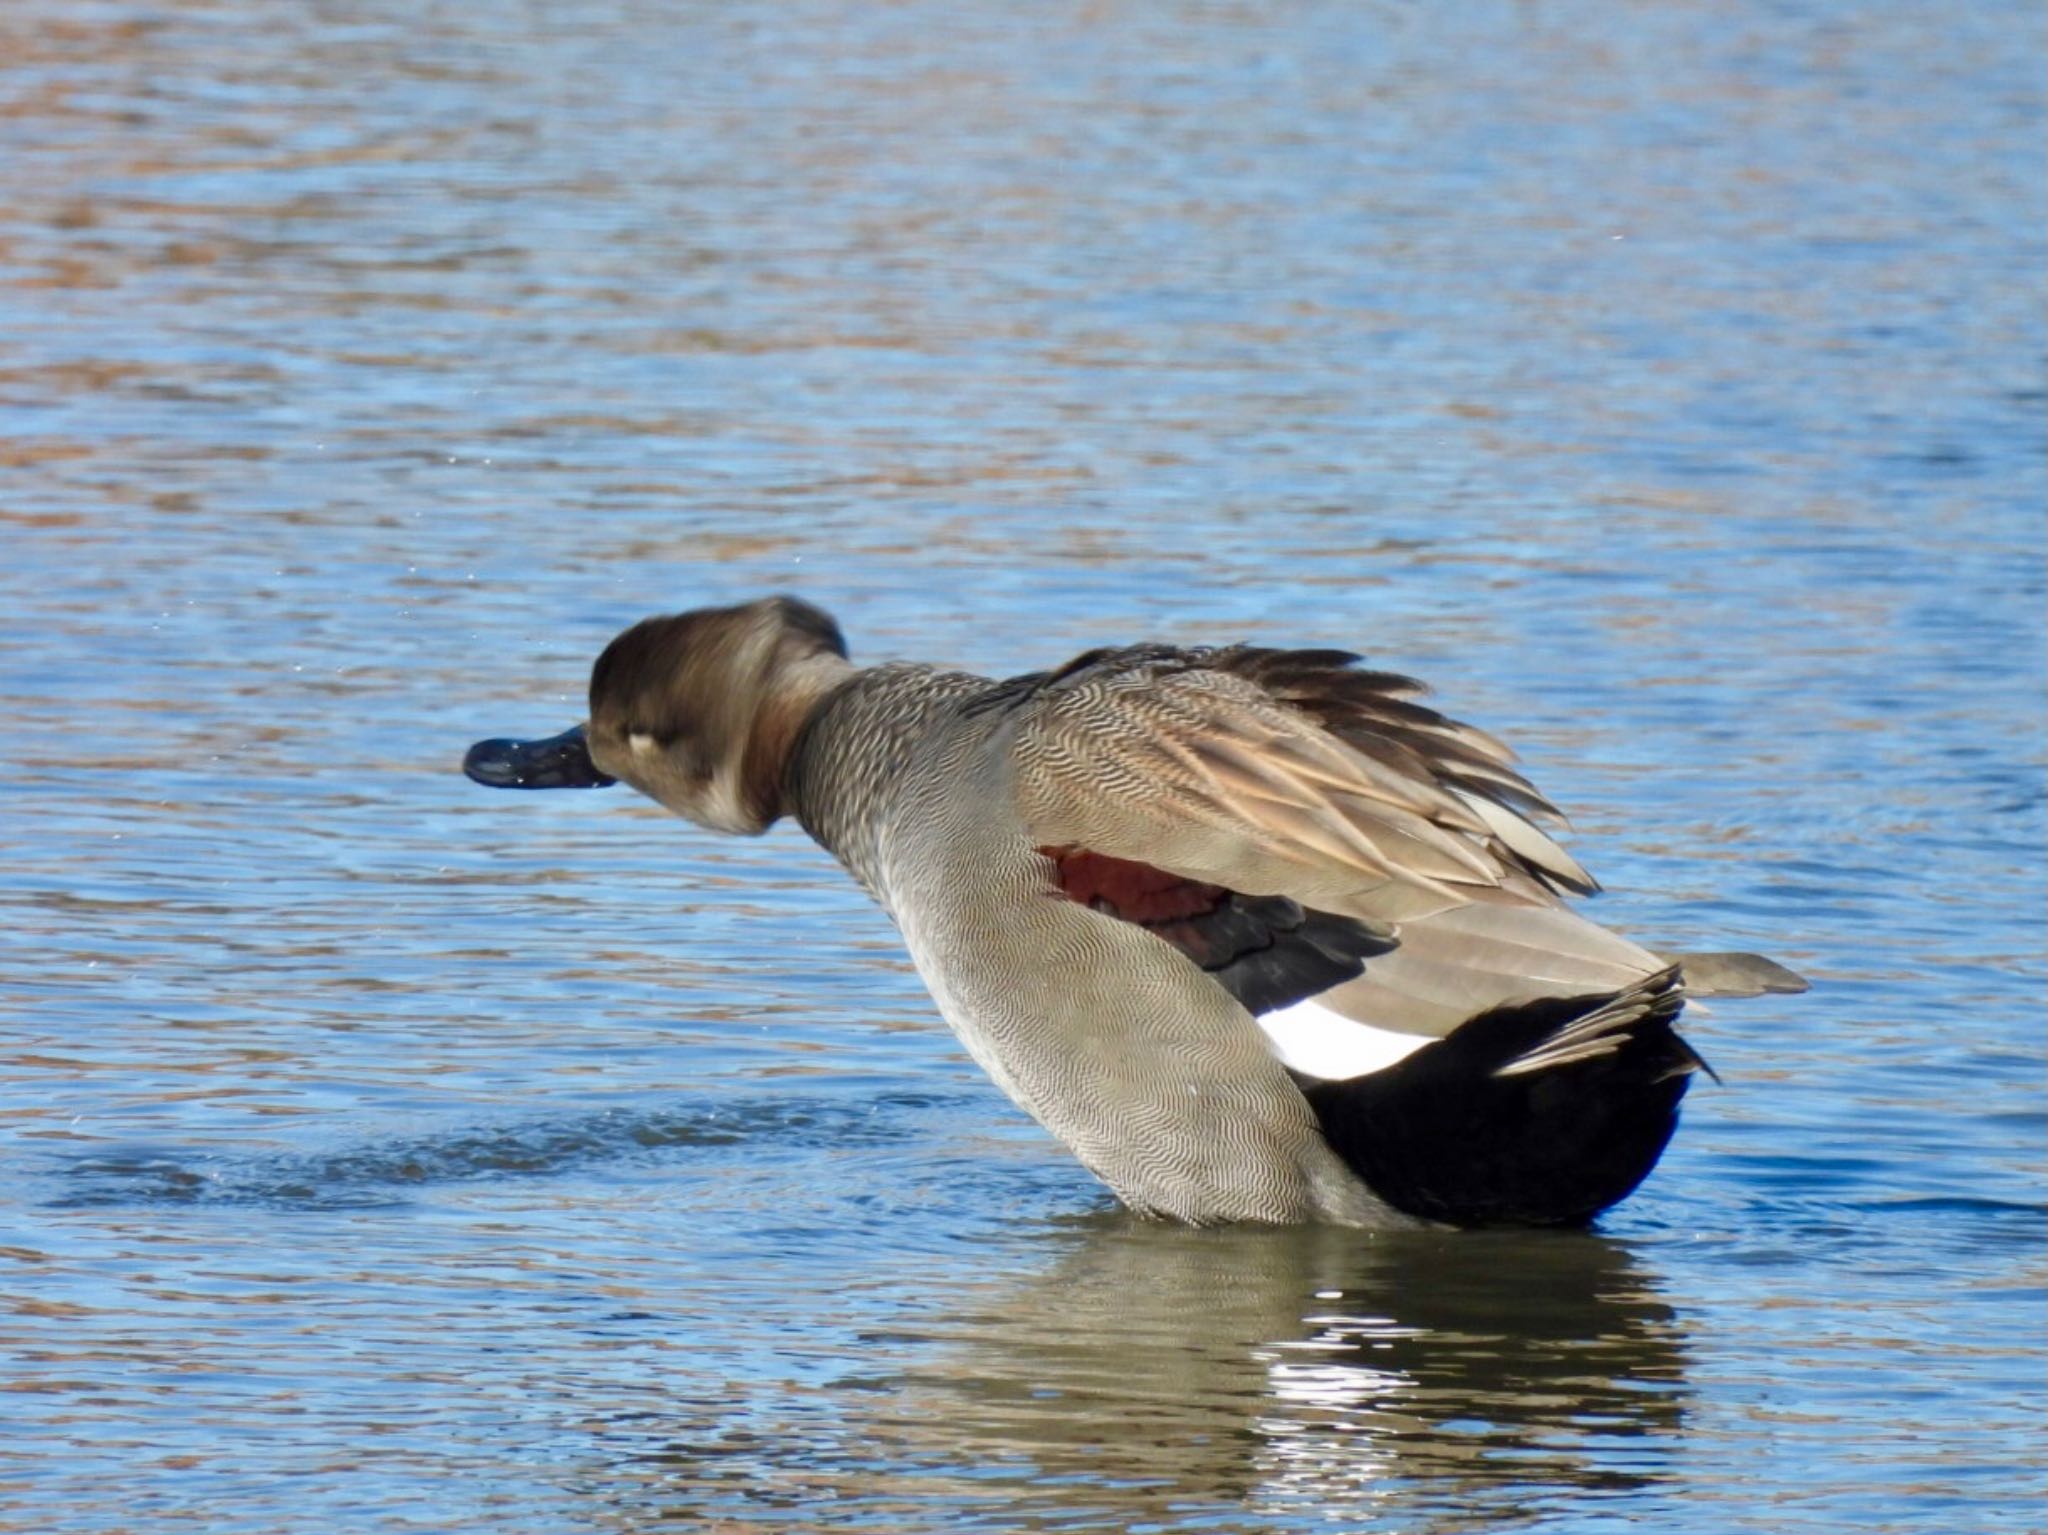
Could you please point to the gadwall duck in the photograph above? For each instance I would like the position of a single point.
(1259, 937)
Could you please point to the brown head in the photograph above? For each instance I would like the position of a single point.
(698, 711)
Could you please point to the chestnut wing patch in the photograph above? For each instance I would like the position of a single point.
(1266, 951)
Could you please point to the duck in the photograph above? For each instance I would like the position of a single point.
(1253, 932)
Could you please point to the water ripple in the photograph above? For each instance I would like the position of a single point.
(382, 1174)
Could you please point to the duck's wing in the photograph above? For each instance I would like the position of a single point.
(1298, 775)
(1283, 773)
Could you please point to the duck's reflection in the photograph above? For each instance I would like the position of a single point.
(1316, 1356)
(1152, 1367)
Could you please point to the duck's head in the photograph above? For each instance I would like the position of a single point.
(697, 710)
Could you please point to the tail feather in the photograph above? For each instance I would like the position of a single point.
(1735, 975)
(1609, 1027)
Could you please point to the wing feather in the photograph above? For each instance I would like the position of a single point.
(1298, 774)
(1281, 773)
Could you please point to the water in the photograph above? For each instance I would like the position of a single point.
(378, 1153)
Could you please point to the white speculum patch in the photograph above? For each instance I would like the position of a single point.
(1319, 1043)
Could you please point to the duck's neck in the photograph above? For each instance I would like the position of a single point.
(799, 693)
(849, 752)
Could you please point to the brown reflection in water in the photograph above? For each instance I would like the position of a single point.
(1154, 1367)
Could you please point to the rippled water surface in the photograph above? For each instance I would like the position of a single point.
(381, 1154)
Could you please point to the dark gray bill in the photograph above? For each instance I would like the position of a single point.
(559, 762)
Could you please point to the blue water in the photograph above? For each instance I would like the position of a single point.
(380, 1154)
